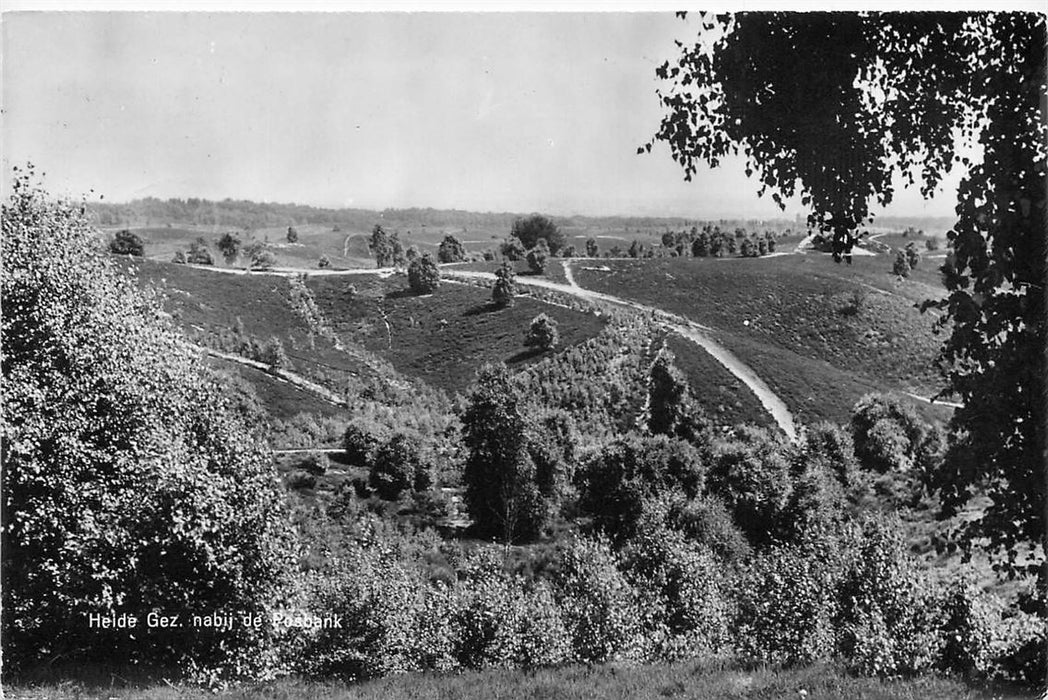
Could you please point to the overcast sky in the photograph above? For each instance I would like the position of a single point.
(491, 112)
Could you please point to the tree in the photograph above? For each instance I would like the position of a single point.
(450, 250)
(512, 249)
(502, 492)
(229, 246)
(636, 249)
(530, 230)
(126, 243)
(199, 253)
(292, 234)
(397, 467)
(913, 256)
(839, 103)
(381, 246)
(262, 258)
(423, 275)
(273, 354)
(542, 333)
(324, 262)
(505, 287)
(901, 266)
(592, 249)
(538, 257)
(135, 479)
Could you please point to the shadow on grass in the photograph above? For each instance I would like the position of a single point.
(525, 355)
(481, 309)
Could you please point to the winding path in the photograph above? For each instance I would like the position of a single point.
(690, 330)
(687, 329)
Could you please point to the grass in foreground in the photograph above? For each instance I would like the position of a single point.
(686, 680)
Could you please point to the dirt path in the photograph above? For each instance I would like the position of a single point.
(687, 329)
(280, 375)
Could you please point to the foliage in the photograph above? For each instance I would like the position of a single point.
(592, 249)
(512, 249)
(274, 355)
(841, 102)
(530, 230)
(505, 287)
(889, 436)
(360, 440)
(616, 483)
(292, 234)
(423, 275)
(324, 262)
(262, 258)
(386, 248)
(542, 333)
(538, 257)
(901, 267)
(132, 480)
(502, 493)
(671, 409)
(229, 247)
(199, 253)
(451, 250)
(397, 467)
(601, 609)
(126, 243)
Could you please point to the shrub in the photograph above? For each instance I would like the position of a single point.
(450, 250)
(971, 631)
(179, 258)
(360, 440)
(592, 249)
(532, 229)
(126, 243)
(500, 623)
(602, 611)
(616, 483)
(423, 275)
(512, 249)
(133, 481)
(229, 246)
(292, 234)
(262, 258)
(751, 472)
(887, 620)
(315, 463)
(889, 436)
(693, 610)
(931, 243)
(502, 491)
(787, 602)
(273, 354)
(300, 479)
(913, 256)
(199, 253)
(901, 266)
(538, 257)
(706, 521)
(324, 262)
(397, 467)
(542, 333)
(505, 287)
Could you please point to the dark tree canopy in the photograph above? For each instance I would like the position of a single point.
(529, 230)
(126, 243)
(829, 106)
(423, 275)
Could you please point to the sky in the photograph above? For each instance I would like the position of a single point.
(519, 111)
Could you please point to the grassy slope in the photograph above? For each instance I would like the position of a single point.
(689, 680)
(444, 337)
(785, 317)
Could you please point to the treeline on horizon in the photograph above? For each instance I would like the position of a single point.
(246, 214)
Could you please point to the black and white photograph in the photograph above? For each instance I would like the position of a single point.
(560, 351)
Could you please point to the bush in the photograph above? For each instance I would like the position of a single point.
(602, 611)
(706, 521)
(300, 479)
(423, 275)
(292, 234)
(360, 440)
(512, 249)
(901, 266)
(787, 602)
(505, 287)
(199, 253)
(616, 483)
(751, 471)
(889, 436)
(397, 467)
(262, 258)
(887, 621)
(126, 243)
(273, 354)
(538, 257)
(971, 631)
(542, 333)
(693, 609)
(532, 229)
(229, 246)
(133, 481)
(324, 262)
(450, 250)
(179, 258)
(315, 463)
